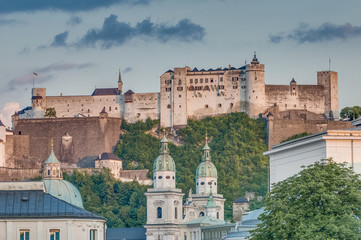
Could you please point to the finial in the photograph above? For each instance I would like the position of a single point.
(163, 132)
(51, 143)
(206, 136)
(254, 53)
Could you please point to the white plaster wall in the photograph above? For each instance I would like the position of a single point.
(206, 188)
(70, 229)
(114, 165)
(161, 180)
(144, 105)
(286, 163)
(345, 150)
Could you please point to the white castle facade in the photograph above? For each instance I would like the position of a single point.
(167, 217)
(186, 93)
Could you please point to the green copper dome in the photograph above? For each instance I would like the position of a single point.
(63, 190)
(52, 158)
(206, 168)
(164, 162)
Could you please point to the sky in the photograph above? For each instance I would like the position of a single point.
(76, 47)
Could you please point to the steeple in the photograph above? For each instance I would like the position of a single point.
(120, 83)
(254, 60)
(211, 206)
(206, 151)
(164, 146)
(52, 166)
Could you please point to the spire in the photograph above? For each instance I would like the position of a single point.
(120, 77)
(211, 203)
(206, 151)
(164, 145)
(254, 60)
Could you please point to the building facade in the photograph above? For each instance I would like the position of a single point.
(191, 93)
(167, 217)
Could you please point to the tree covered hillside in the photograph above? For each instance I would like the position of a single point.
(236, 141)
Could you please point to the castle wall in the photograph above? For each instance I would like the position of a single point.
(281, 129)
(87, 137)
(310, 97)
(329, 80)
(255, 89)
(18, 174)
(143, 106)
(89, 106)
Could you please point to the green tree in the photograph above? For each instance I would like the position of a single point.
(50, 112)
(323, 201)
(351, 113)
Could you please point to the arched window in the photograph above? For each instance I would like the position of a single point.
(175, 213)
(217, 215)
(159, 212)
(201, 214)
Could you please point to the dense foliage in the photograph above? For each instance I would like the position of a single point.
(123, 204)
(351, 113)
(237, 144)
(323, 201)
(50, 112)
(293, 137)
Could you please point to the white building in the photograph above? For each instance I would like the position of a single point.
(286, 159)
(167, 218)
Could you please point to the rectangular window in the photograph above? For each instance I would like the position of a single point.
(93, 234)
(191, 81)
(206, 80)
(167, 89)
(180, 88)
(201, 80)
(54, 234)
(24, 234)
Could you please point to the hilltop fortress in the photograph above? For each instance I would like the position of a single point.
(191, 93)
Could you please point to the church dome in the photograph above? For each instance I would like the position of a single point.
(63, 190)
(206, 169)
(164, 162)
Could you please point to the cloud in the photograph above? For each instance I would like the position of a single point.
(127, 69)
(44, 74)
(4, 21)
(325, 32)
(115, 33)
(63, 5)
(74, 20)
(25, 51)
(7, 110)
(60, 39)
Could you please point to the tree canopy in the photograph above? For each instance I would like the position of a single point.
(323, 201)
(237, 144)
(351, 113)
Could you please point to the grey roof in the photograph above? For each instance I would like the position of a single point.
(1, 124)
(38, 204)
(126, 233)
(108, 156)
(241, 200)
(129, 92)
(105, 91)
(252, 217)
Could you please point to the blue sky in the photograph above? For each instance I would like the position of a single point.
(74, 48)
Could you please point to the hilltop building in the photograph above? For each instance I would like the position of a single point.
(192, 93)
(200, 216)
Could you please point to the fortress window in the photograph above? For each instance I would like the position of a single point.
(206, 106)
(179, 82)
(191, 81)
(202, 183)
(219, 105)
(180, 106)
(167, 89)
(231, 104)
(160, 177)
(285, 105)
(159, 212)
(221, 79)
(138, 114)
(201, 80)
(206, 80)
(110, 108)
(196, 81)
(304, 106)
(168, 106)
(179, 96)
(255, 78)
(211, 80)
(295, 105)
(253, 90)
(175, 213)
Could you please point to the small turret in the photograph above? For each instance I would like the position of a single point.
(120, 83)
(211, 206)
(52, 166)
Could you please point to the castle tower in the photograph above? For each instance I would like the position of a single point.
(255, 88)
(329, 80)
(164, 200)
(2, 144)
(206, 175)
(38, 102)
(120, 83)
